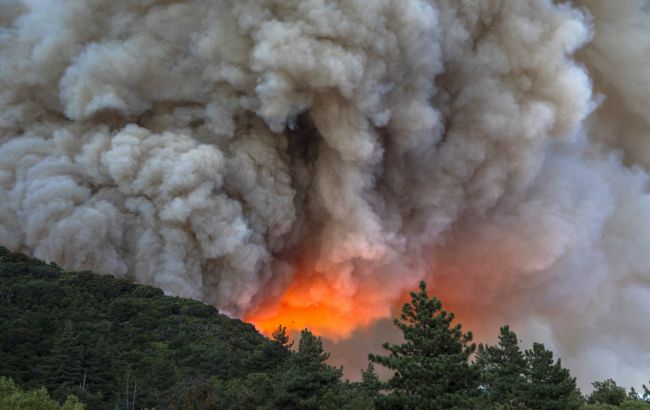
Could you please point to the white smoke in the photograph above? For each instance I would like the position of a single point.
(221, 149)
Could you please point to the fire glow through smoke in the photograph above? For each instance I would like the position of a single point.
(312, 302)
(308, 162)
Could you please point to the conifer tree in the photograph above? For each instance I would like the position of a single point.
(306, 376)
(368, 389)
(281, 337)
(502, 371)
(549, 385)
(65, 362)
(278, 351)
(369, 380)
(432, 370)
(607, 392)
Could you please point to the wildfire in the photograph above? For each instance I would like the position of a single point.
(333, 307)
(332, 310)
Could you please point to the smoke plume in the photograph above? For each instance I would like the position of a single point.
(309, 161)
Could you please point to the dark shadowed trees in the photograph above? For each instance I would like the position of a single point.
(306, 378)
(549, 385)
(502, 371)
(432, 368)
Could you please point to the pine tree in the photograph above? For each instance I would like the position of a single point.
(99, 368)
(432, 369)
(65, 363)
(607, 392)
(281, 337)
(502, 371)
(549, 385)
(312, 356)
(367, 391)
(632, 394)
(306, 377)
(369, 380)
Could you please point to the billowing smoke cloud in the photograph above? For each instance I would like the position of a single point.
(307, 161)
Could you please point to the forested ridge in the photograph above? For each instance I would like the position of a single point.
(70, 339)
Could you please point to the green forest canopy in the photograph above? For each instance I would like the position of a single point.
(77, 337)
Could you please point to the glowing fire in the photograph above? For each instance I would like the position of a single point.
(335, 309)
(327, 309)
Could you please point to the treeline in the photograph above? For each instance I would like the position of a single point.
(12, 397)
(110, 342)
(76, 337)
(434, 369)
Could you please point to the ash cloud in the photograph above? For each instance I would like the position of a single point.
(222, 149)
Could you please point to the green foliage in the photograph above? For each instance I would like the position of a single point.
(281, 337)
(625, 405)
(370, 381)
(13, 398)
(84, 334)
(115, 344)
(306, 378)
(110, 344)
(634, 405)
(250, 392)
(511, 379)
(549, 385)
(503, 371)
(432, 368)
(607, 392)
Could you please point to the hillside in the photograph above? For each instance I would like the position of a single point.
(118, 345)
(59, 328)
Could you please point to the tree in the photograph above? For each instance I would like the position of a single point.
(502, 371)
(66, 363)
(607, 392)
(634, 405)
(432, 368)
(306, 377)
(281, 337)
(11, 397)
(549, 385)
(369, 380)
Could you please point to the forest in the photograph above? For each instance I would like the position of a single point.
(75, 340)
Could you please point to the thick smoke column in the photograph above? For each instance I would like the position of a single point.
(310, 160)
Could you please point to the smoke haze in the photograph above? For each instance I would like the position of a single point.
(309, 161)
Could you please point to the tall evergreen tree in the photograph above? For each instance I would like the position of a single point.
(65, 362)
(502, 371)
(550, 386)
(369, 380)
(280, 349)
(306, 377)
(432, 369)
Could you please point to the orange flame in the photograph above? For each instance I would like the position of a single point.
(333, 307)
(332, 310)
